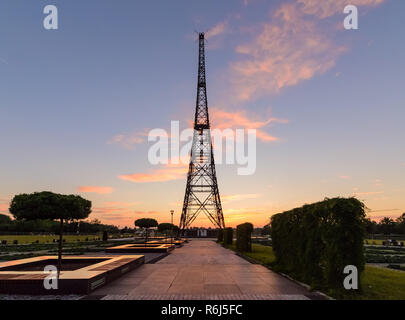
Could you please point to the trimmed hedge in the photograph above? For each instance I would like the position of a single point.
(314, 243)
(105, 235)
(228, 235)
(220, 235)
(243, 237)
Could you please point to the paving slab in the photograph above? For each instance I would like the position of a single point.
(221, 289)
(203, 270)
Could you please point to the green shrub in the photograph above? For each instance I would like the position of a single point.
(381, 258)
(314, 243)
(105, 235)
(243, 237)
(220, 235)
(228, 236)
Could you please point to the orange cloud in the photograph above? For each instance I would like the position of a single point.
(292, 48)
(107, 210)
(95, 189)
(257, 216)
(114, 215)
(238, 197)
(4, 207)
(118, 203)
(121, 216)
(287, 51)
(167, 173)
(218, 29)
(378, 183)
(380, 217)
(327, 8)
(129, 141)
(238, 120)
(371, 193)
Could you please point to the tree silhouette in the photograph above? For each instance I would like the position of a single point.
(50, 206)
(146, 223)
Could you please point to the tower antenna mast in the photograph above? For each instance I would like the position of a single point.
(202, 195)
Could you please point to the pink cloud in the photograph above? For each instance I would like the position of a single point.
(239, 120)
(114, 215)
(238, 197)
(286, 51)
(129, 141)
(289, 49)
(119, 203)
(223, 120)
(388, 214)
(95, 189)
(4, 207)
(371, 193)
(107, 210)
(218, 29)
(327, 8)
(378, 183)
(255, 215)
(166, 173)
(123, 217)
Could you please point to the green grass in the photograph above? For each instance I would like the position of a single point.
(383, 284)
(374, 242)
(15, 252)
(378, 283)
(378, 242)
(23, 239)
(260, 253)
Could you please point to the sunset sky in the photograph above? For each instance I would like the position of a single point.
(77, 103)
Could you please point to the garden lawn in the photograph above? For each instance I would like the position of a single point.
(15, 252)
(377, 242)
(383, 284)
(262, 254)
(23, 239)
(378, 283)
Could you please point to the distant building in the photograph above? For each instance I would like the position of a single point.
(201, 233)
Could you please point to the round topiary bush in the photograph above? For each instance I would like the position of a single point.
(220, 235)
(228, 236)
(243, 237)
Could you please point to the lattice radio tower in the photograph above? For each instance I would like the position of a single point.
(202, 193)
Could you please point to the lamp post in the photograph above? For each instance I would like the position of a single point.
(171, 233)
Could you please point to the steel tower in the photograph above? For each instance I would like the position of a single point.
(202, 193)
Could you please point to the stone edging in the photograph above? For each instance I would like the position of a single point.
(154, 260)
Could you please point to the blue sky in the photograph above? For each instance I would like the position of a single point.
(121, 69)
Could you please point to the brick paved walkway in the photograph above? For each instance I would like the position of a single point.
(202, 269)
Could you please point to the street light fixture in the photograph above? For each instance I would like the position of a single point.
(171, 233)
